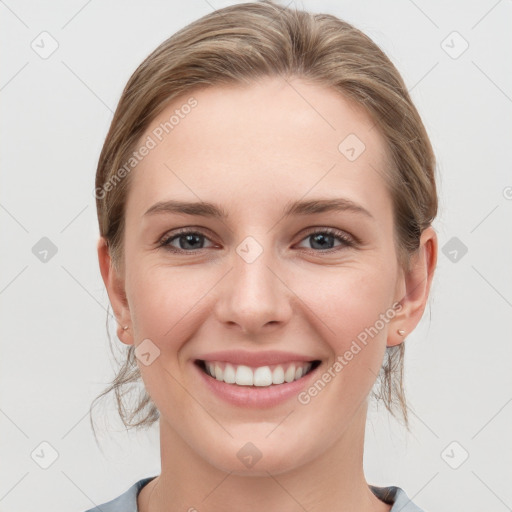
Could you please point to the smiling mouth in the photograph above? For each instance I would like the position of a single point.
(262, 376)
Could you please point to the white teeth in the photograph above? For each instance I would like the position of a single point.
(278, 375)
(263, 376)
(229, 374)
(289, 375)
(244, 376)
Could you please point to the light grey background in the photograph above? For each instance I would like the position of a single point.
(54, 354)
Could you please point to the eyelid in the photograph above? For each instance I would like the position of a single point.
(339, 233)
(170, 235)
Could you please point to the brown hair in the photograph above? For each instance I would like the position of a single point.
(237, 45)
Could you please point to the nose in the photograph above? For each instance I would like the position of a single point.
(253, 297)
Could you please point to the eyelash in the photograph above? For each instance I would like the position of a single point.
(340, 235)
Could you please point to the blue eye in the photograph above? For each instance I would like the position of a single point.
(325, 237)
(192, 241)
(184, 238)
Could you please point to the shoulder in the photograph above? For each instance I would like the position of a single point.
(397, 497)
(126, 502)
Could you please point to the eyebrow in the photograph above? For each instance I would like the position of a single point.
(309, 207)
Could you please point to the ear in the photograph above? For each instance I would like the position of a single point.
(114, 283)
(414, 287)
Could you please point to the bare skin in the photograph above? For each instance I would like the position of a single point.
(252, 150)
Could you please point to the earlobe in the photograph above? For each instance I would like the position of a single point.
(114, 284)
(417, 283)
(396, 337)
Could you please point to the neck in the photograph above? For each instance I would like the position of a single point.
(332, 482)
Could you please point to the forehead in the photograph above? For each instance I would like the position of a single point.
(274, 139)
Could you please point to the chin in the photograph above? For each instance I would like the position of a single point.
(256, 458)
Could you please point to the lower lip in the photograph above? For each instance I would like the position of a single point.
(256, 396)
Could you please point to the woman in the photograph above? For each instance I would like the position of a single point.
(265, 197)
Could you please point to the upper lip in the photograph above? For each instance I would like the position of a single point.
(255, 359)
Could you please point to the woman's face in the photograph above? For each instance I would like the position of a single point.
(261, 276)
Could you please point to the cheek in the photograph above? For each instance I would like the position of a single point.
(165, 303)
(350, 308)
(347, 300)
